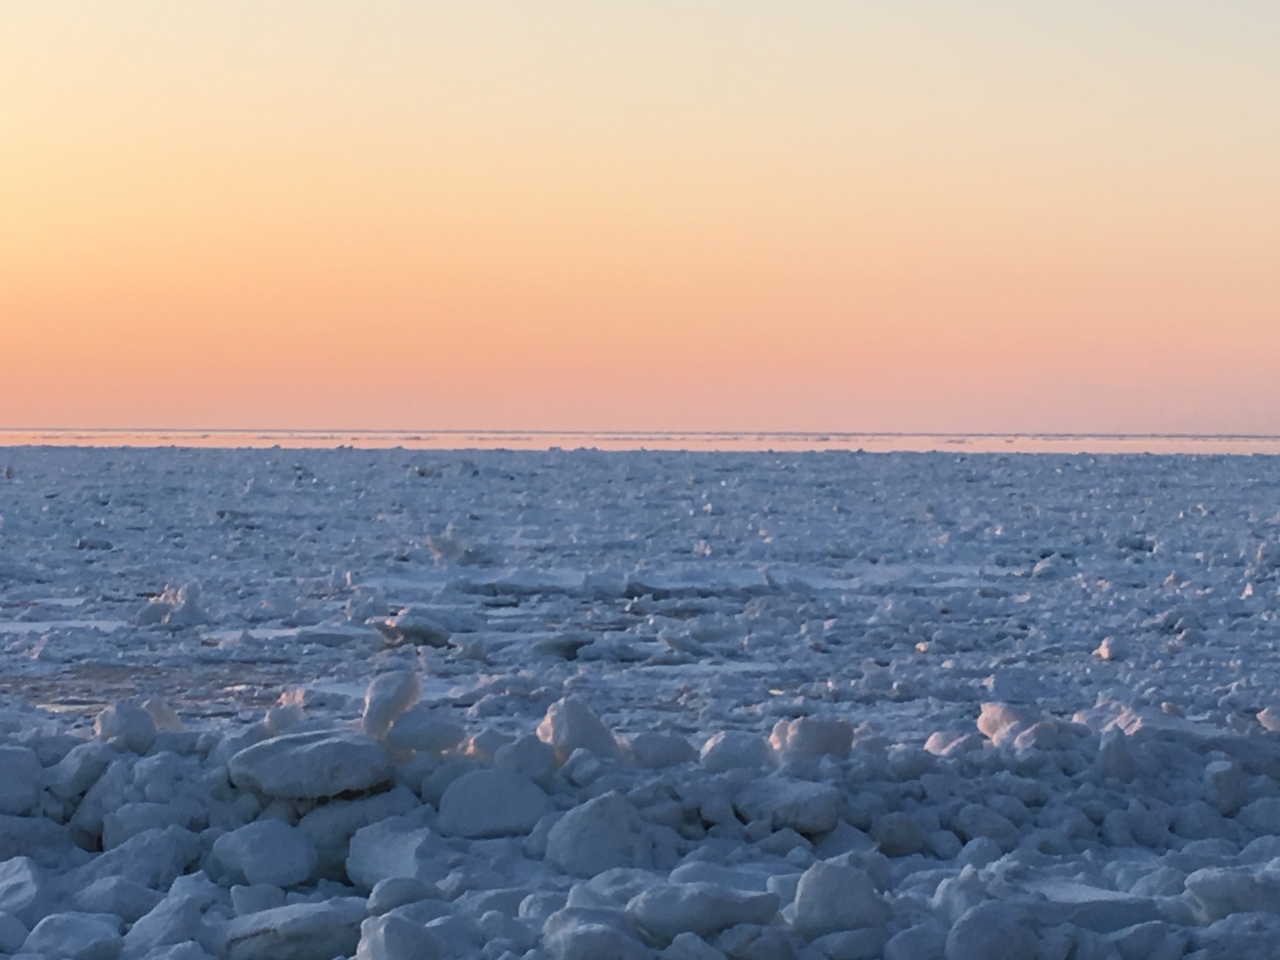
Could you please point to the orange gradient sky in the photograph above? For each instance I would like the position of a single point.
(990, 216)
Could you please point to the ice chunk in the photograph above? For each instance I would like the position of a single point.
(117, 895)
(415, 625)
(598, 835)
(25, 890)
(1262, 816)
(1111, 648)
(76, 936)
(529, 757)
(332, 825)
(1241, 936)
(389, 695)
(950, 743)
(833, 897)
(299, 931)
(690, 946)
(162, 714)
(749, 940)
(188, 950)
(174, 920)
(427, 729)
(1000, 722)
(13, 933)
(395, 847)
(153, 858)
(175, 607)
(127, 726)
(811, 737)
(131, 819)
(974, 820)
(267, 852)
(915, 943)
(253, 899)
(1094, 908)
(571, 725)
(310, 765)
(669, 909)
(79, 769)
(735, 750)
(657, 750)
(992, 931)
(397, 891)
(1114, 758)
(491, 803)
(1224, 786)
(1222, 891)
(898, 835)
(1153, 940)
(398, 938)
(808, 808)
(1269, 717)
(21, 778)
(576, 933)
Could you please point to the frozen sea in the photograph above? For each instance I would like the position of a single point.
(1026, 682)
(753, 576)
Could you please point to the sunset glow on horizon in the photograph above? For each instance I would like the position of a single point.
(593, 216)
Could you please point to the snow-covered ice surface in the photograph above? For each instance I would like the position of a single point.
(390, 703)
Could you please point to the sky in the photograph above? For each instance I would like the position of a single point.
(669, 215)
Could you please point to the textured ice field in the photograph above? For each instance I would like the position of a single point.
(849, 705)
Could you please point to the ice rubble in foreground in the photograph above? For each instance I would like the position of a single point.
(268, 704)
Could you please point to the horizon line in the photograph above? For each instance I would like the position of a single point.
(617, 434)
(639, 433)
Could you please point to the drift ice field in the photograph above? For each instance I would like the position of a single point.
(569, 705)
